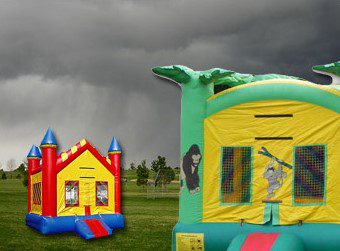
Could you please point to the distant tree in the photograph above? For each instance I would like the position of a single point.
(18, 176)
(132, 166)
(11, 166)
(3, 175)
(25, 181)
(168, 176)
(158, 164)
(142, 174)
(124, 182)
(1, 171)
(23, 172)
(22, 167)
(164, 174)
(177, 170)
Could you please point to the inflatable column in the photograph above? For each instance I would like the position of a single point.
(49, 179)
(197, 87)
(114, 155)
(33, 159)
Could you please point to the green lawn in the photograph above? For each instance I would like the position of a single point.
(148, 223)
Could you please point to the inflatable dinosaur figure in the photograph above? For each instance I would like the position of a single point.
(216, 76)
(197, 87)
(259, 161)
(332, 70)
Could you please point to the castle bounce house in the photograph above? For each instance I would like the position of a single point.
(260, 166)
(74, 191)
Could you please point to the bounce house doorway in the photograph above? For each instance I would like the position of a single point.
(271, 213)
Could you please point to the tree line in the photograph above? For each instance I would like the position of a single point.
(163, 173)
(14, 171)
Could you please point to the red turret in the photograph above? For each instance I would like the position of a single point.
(49, 179)
(33, 159)
(114, 155)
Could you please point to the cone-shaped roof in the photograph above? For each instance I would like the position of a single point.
(49, 138)
(34, 152)
(114, 147)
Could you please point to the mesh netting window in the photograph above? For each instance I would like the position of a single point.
(309, 174)
(37, 193)
(102, 198)
(236, 172)
(72, 193)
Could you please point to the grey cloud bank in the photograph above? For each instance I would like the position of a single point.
(83, 67)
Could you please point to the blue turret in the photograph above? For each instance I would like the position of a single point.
(49, 138)
(34, 152)
(114, 147)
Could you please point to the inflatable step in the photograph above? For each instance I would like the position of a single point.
(266, 242)
(92, 228)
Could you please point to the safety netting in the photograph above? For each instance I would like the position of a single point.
(236, 174)
(309, 174)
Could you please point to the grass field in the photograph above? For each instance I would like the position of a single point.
(148, 223)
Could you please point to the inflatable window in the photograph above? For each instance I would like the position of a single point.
(309, 174)
(72, 193)
(37, 193)
(102, 193)
(236, 175)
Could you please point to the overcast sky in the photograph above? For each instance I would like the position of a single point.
(83, 67)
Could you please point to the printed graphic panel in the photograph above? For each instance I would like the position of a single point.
(189, 241)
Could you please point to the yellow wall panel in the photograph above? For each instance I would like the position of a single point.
(35, 178)
(93, 171)
(237, 126)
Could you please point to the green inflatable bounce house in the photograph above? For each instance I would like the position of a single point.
(260, 161)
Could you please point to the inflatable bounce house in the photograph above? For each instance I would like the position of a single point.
(260, 166)
(74, 191)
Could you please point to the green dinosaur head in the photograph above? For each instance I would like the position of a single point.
(190, 78)
(216, 76)
(332, 70)
(177, 73)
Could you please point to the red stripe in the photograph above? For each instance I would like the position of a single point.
(96, 227)
(115, 161)
(259, 242)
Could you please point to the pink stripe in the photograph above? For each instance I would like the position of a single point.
(259, 242)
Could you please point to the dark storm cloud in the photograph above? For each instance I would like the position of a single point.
(83, 67)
